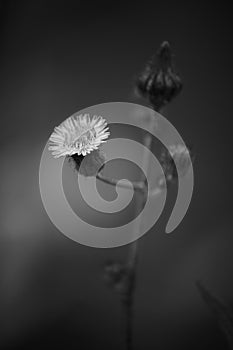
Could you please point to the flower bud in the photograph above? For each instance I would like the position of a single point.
(159, 83)
(90, 164)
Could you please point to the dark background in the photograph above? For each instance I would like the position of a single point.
(58, 57)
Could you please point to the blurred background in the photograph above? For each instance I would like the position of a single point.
(58, 57)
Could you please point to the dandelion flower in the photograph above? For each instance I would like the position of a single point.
(78, 135)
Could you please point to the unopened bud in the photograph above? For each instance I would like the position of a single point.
(159, 83)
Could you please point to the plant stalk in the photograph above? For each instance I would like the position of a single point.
(133, 249)
(137, 185)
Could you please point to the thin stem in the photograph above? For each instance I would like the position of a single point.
(137, 185)
(133, 250)
(140, 201)
(141, 192)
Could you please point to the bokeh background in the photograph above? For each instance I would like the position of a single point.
(58, 57)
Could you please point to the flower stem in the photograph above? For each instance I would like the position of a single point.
(137, 185)
(133, 250)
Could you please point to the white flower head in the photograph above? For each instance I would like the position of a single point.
(78, 134)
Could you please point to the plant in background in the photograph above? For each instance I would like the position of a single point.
(80, 137)
(158, 84)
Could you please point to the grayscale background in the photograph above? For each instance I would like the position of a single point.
(58, 57)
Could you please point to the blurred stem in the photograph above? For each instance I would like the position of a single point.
(133, 248)
(137, 185)
(141, 197)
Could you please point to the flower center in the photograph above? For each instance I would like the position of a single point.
(84, 139)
